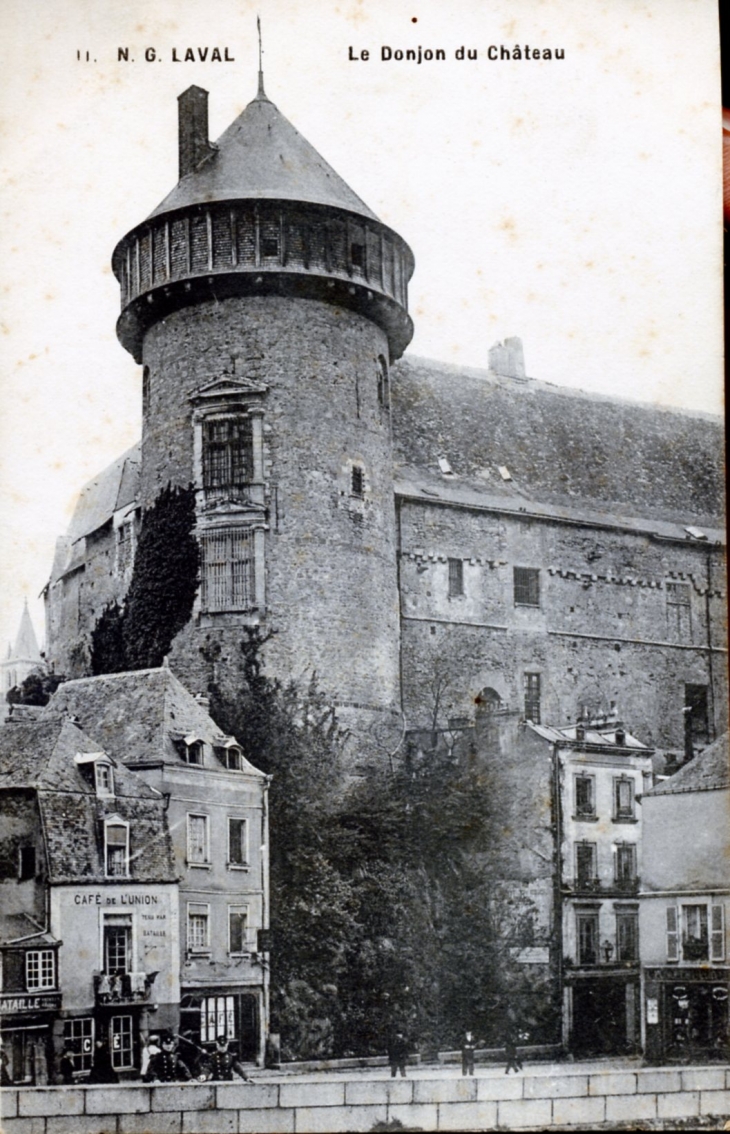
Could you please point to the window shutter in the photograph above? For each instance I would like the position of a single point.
(672, 934)
(717, 934)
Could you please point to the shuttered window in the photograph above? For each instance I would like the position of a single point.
(717, 934)
(672, 934)
(228, 570)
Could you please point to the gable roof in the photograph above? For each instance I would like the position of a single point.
(136, 716)
(710, 771)
(40, 756)
(561, 446)
(262, 156)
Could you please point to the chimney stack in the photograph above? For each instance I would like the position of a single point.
(193, 143)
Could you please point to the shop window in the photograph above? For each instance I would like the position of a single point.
(695, 940)
(40, 969)
(237, 930)
(228, 570)
(79, 1035)
(217, 1018)
(526, 586)
(198, 928)
(116, 849)
(456, 578)
(585, 865)
(623, 798)
(122, 1042)
(532, 697)
(587, 937)
(627, 936)
(237, 842)
(198, 840)
(227, 452)
(585, 796)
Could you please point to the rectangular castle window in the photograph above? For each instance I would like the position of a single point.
(532, 697)
(679, 611)
(456, 578)
(526, 586)
(228, 570)
(227, 452)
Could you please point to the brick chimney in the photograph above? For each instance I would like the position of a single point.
(193, 144)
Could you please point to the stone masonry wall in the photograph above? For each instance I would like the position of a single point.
(606, 627)
(330, 556)
(539, 1101)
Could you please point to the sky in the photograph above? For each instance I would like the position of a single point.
(575, 203)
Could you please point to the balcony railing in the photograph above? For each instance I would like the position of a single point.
(599, 885)
(123, 988)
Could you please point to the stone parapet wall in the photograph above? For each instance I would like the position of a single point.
(573, 1098)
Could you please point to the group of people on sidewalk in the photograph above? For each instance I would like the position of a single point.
(398, 1051)
(161, 1062)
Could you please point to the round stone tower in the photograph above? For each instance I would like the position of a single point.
(266, 304)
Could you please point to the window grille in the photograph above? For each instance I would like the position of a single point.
(116, 838)
(456, 578)
(526, 586)
(227, 452)
(228, 570)
(532, 697)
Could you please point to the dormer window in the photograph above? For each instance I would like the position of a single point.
(230, 756)
(116, 848)
(190, 749)
(104, 778)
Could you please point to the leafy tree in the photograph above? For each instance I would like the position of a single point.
(107, 642)
(37, 688)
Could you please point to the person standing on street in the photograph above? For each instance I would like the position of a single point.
(468, 1047)
(398, 1054)
(510, 1051)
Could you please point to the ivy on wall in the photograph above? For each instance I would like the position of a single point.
(159, 602)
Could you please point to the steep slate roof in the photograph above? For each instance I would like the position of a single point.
(40, 756)
(602, 736)
(26, 643)
(262, 156)
(112, 489)
(710, 771)
(136, 715)
(562, 446)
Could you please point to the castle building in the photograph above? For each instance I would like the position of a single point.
(400, 523)
(23, 655)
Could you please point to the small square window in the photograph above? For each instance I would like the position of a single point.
(270, 246)
(526, 586)
(357, 255)
(456, 578)
(357, 481)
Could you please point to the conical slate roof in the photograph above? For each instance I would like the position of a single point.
(262, 157)
(26, 643)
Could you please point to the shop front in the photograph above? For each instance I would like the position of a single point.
(26, 1031)
(603, 1013)
(687, 1015)
(206, 1013)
